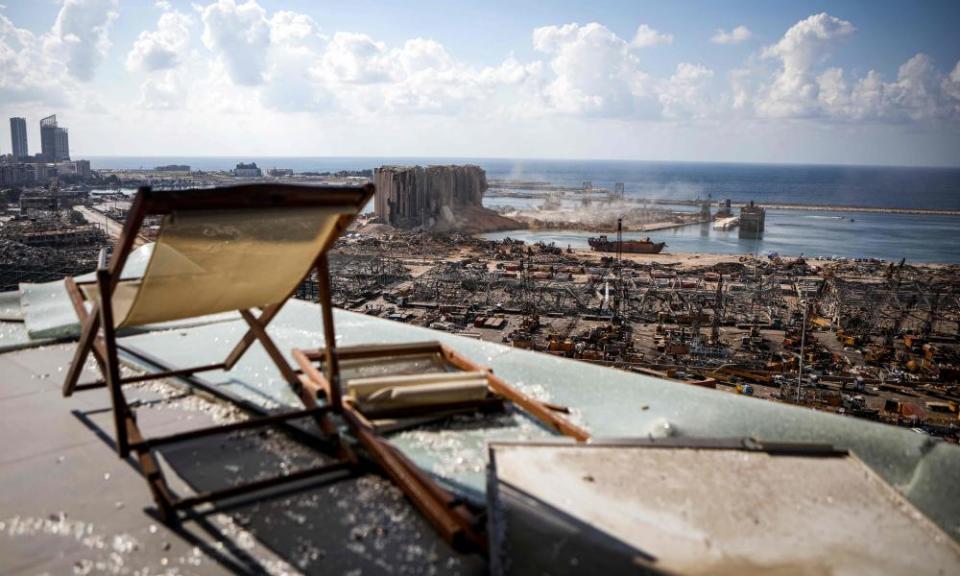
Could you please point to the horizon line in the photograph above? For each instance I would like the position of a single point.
(530, 158)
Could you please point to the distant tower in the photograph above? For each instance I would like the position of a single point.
(18, 136)
(54, 140)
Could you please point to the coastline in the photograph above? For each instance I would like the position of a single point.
(817, 207)
(687, 260)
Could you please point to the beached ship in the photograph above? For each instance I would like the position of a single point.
(645, 246)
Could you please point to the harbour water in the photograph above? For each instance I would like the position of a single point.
(918, 238)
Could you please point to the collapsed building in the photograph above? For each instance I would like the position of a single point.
(438, 198)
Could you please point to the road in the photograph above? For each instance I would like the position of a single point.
(111, 226)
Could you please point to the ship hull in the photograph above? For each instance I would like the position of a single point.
(629, 246)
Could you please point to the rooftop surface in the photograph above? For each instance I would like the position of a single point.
(68, 504)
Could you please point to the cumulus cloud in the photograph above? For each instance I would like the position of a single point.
(951, 90)
(80, 35)
(278, 61)
(686, 93)
(163, 91)
(291, 28)
(239, 35)
(45, 68)
(163, 48)
(24, 72)
(737, 35)
(803, 88)
(594, 70)
(420, 76)
(355, 58)
(647, 36)
(807, 43)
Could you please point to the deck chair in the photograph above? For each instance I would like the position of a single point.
(385, 388)
(238, 248)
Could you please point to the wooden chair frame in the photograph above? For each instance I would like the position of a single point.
(451, 516)
(98, 335)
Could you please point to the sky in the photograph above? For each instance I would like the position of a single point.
(843, 82)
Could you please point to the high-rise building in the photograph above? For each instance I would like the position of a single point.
(18, 136)
(54, 141)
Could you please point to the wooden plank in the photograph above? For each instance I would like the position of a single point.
(332, 372)
(266, 315)
(171, 373)
(437, 505)
(152, 473)
(310, 371)
(89, 339)
(531, 405)
(258, 196)
(378, 350)
(124, 244)
(258, 330)
(112, 375)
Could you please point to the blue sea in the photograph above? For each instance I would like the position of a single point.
(918, 238)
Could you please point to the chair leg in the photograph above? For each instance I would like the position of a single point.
(88, 336)
(266, 315)
(260, 332)
(112, 376)
(89, 340)
(258, 329)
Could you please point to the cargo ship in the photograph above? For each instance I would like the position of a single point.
(646, 246)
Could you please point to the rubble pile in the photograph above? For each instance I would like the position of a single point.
(864, 338)
(47, 246)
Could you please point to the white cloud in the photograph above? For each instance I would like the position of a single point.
(917, 89)
(793, 92)
(163, 48)
(802, 88)
(686, 93)
(419, 77)
(239, 35)
(25, 74)
(80, 35)
(647, 36)
(920, 93)
(291, 28)
(737, 35)
(951, 91)
(163, 91)
(595, 72)
(354, 58)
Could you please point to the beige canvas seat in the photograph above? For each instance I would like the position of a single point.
(238, 249)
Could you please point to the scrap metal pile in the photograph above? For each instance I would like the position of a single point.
(866, 338)
(46, 246)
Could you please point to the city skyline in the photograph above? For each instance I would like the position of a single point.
(844, 83)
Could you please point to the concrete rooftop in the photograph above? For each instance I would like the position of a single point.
(69, 505)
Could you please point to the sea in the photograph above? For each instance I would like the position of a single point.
(922, 238)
